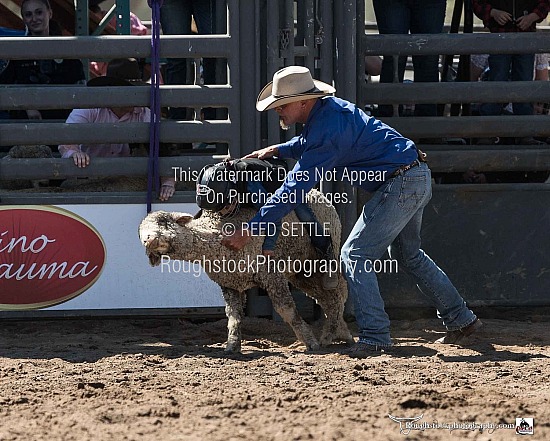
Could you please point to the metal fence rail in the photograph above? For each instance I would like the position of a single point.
(61, 133)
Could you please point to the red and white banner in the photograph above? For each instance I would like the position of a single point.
(47, 256)
(82, 257)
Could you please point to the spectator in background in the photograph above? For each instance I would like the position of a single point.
(99, 68)
(501, 16)
(175, 18)
(373, 65)
(37, 16)
(120, 72)
(479, 70)
(418, 17)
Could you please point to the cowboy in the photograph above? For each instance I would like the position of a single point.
(339, 136)
(120, 72)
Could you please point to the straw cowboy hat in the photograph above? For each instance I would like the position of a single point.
(290, 84)
(120, 72)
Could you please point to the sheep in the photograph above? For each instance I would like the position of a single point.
(181, 236)
(26, 151)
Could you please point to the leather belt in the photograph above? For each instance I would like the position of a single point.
(404, 168)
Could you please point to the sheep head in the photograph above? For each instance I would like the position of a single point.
(158, 231)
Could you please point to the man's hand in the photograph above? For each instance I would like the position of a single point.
(525, 21)
(81, 159)
(167, 189)
(237, 241)
(501, 17)
(267, 152)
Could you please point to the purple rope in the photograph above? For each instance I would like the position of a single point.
(153, 178)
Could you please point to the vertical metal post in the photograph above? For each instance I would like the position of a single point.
(82, 27)
(309, 34)
(326, 62)
(325, 41)
(81, 18)
(122, 12)
(286, 44)
(274, 63)
(287, 33)
(247, 87)
(360, 55)
(235, 70)
(345, 25)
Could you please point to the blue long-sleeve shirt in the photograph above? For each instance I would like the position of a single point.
(341, 137)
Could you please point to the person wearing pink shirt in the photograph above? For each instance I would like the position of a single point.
(120, 72)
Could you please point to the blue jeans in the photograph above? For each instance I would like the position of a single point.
(304, 213)
(418, 17)
(509, 67)
(175, 19)
(393, 218)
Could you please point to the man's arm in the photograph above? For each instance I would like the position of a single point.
(81, 159)
(290, 149)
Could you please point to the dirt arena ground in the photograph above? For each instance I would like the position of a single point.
(168, 379)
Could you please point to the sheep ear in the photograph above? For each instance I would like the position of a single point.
(184, 219)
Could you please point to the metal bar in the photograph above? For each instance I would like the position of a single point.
(81, 18)
(54, 97)
(181, 167)
(273, 63)
(479, 92)
(257, 81)
(326, 62)
(490, 160)
(471, 126)
(309, 35)
(360, 64)
(345, 21)
(326, 43)
(288, 25)
(105, 21)
(288, 54)
(114, 46)
(246, 134)
(50, 97)
(122, 17)
(346, 81)
(455, 23)
(59, 133)
(457, 44)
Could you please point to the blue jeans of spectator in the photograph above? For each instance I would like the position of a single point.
(509, 67)
(393, 218)
(175, 19)
(418, 17)
(304, 213)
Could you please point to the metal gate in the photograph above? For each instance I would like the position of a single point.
(328, 36)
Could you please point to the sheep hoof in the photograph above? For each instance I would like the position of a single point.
(326, 341)
(233, 349)
(313, 346)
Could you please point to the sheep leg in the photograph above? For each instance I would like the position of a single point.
(332, 303)
(334, 327)
(283, 303)
(234, 308)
